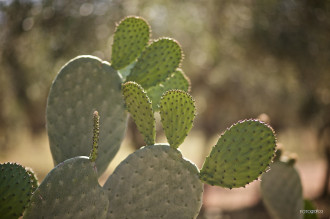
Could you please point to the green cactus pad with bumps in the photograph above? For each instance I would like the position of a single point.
(83, 85)
(178, 80)
(130, 38)
(96, 135)
(70, 190)
(16, 187)
(177, 111)
(242, 153)
(281, 191)
(156, 63)
(154, 182)
(140, 107)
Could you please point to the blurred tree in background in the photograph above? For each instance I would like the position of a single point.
(36, 39)
(244, 58)
(298, 32)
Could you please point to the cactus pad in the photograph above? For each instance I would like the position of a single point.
(70, 190)
(156, 63)
(83, 85)
(140, 107)
(96, 135)
(177, 111)
(242, 153)
(16, 187)
(281, 191)
(130, 38)
(178, 80)
(154, 182)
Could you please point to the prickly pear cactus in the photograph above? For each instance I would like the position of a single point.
(155, 66)
(156, 63)
(70, 190)
(139, 106)
(242, 153)
(83, 85)
(178, 80)
(130, 39)
(154, 182)
(16, 187)
(177, 110)
(281, 191)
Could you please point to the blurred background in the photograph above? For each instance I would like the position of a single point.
(245, 59)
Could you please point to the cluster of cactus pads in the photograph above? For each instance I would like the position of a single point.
(155, 181)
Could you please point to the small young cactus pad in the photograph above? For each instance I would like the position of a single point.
(242, 153)
(281, 191)
(83, 85)
(140, 107)
(178, 80)
(130, 38)
(16, 187)
(70, 190)
(96, 135)
(156, 63)
(154, 182)
(177, 111)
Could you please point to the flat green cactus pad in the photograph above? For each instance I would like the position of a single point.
(140, 107)
(242, 153)
(83, 85)
(156, 63)
(154, 182)
(177, 111)
(281, 191)
(70, 190)
(178, 80)
(16, 187)
(130, 39)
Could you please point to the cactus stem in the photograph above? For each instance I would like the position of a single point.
(96, 134)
